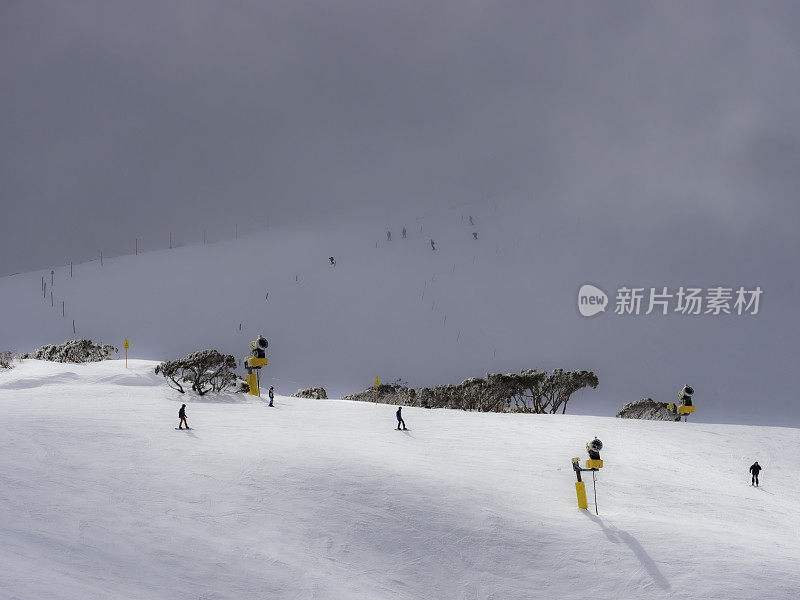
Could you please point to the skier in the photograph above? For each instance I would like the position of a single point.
(755, 469)
(271, 395)
(474, 235)
(471, 222)
(433, 246)
(399, 416)
(182, 417)
(404, 233)
(388, 236)
(333, 261)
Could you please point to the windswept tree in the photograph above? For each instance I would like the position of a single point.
(496, 392)
(547, 392)
(203, 372)
(530, 391)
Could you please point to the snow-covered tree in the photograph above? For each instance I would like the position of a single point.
(203, 371)
(73, 351)
(6, 360)
(530, 391)
(542, 392)
(648, 409)
(314, 393)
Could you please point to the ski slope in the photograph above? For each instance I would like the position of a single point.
(504, 302)
(100, 497)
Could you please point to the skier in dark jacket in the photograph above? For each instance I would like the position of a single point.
(182, 417)
(755, 469)
(400, 421)
(271, 395)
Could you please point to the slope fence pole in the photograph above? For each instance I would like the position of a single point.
(594, 484)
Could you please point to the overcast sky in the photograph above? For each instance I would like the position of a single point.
(134, 119)
(645, 144)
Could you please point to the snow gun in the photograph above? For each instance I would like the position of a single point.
(686, 407)
(594, 463)
(254, 362)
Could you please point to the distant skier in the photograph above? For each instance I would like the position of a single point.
(271, 395)
(755, 469)
(474, 235)
(182, 417)
(471, 222)
(404, 233)
(400, 421)
(388, 236)
(433, 246)
(333, 261)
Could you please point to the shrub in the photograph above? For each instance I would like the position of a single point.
(204, 371)
(648, 409)
(73, 351)
(315, 393)
(6, 360)
(388, 393)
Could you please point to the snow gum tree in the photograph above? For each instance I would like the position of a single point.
(202, 372)
(529, 391)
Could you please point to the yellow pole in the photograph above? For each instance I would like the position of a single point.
(580, 488)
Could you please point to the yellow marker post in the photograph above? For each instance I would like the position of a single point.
(126, 344)
(377, 385)
(580, 486)
(580, 489)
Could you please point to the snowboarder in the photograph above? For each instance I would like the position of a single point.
(271, 395)
(182, 417)
(433, 246)
(400, 421)
(333, 261)
(404, 233)
(755, 469)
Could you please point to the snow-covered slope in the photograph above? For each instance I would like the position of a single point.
(503, 302)
(100, 497)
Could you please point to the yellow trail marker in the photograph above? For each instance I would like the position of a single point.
(126, 344)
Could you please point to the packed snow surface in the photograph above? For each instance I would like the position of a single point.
(102, 498)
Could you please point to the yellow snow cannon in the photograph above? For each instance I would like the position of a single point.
(685, 396)
(593, 449)
(254, 362)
